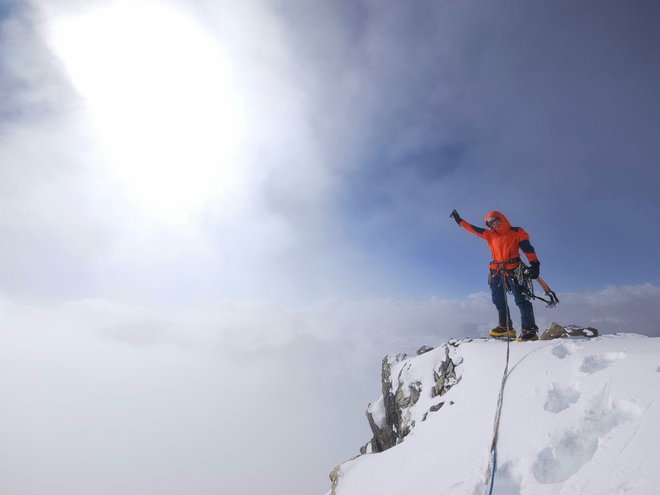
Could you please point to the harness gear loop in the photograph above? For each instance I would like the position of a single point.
(504, 273)
(507, 262)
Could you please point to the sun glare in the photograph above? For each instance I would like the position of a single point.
(159, 91)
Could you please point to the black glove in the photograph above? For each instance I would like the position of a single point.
(533, 271)
(456, 216)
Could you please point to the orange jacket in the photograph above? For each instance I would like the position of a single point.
(505, 242)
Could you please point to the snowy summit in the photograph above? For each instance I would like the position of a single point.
(578, 416)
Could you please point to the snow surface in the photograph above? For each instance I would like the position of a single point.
(580, 416)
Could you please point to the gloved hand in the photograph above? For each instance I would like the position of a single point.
(533, 271)
(456, 216)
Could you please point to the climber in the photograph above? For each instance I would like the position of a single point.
(505, 242)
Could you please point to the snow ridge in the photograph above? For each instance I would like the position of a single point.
(579, 416)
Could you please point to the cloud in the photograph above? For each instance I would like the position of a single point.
(616, 309)
(132, 393)
(31, 84)
(76, 230)
(365, 128)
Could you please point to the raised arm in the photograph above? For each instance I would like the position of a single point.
(473, 229)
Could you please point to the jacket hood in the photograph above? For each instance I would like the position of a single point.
(504, 222)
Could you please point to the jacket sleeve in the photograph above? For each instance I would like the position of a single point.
(473, 229)
(526, 246)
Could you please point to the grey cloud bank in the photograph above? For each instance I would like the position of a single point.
(237, 396)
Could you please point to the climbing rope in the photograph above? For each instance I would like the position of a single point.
(492, 461)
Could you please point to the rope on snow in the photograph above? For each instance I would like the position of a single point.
(492, 461)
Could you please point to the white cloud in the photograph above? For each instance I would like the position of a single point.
(79, 231)
(127, 395)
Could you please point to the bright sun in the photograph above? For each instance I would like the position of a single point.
(159, 91)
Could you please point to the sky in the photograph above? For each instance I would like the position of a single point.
(241, 207)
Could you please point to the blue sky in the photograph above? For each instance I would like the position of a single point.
(260, 191)
(547, 112)
(549, 115)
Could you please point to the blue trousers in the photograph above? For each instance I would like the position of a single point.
(497, 290)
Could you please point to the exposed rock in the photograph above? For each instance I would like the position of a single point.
(391, 417)
(444, 376)
(405, 398)
(383, 438)
(576, 331)
(335, 474)
(556, 331)
(424, 349)
(386, 428)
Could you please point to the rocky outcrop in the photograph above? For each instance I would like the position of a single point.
(555, 331)
(384, 416)
(445, 376)
(392, 417)
(335, 474)
(424, 349)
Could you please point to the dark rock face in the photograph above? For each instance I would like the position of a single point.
(445, 376)
(392, 423)
(385, 436)
(424, 349)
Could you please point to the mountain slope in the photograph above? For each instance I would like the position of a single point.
(578, 416)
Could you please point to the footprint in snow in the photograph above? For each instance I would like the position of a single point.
(598, 362)
(560, 398)
(575, 447)
(561, 351)
(564, 349)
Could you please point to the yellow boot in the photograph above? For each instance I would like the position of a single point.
(500, 331)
